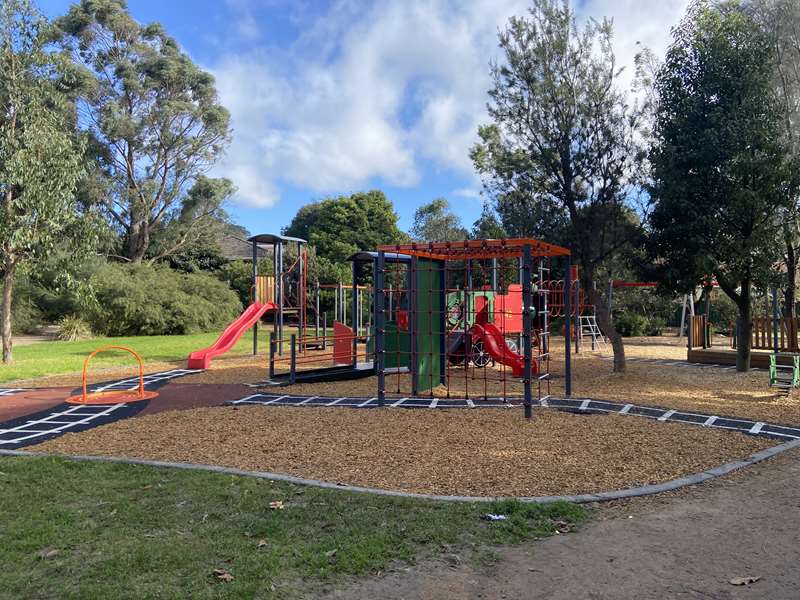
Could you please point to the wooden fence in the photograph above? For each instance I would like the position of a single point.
(763, 335)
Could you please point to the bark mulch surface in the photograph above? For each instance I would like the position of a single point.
(462, 452)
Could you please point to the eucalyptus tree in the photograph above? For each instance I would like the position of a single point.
(721, 169)
(561, 146)
(153, 116)
(40, 157)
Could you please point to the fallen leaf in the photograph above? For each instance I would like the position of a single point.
(223, 575)
(261, 544)
(48, 553)
(112, 513)
(331, 553)
(743, 580)
(276, 505)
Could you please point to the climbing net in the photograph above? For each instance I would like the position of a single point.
(466, 320)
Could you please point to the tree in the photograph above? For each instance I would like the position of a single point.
(338, 227)
(435, 222)
(780, 20)
(721, 175)
(154, 119)
(488, 226)
(561, 146)
(40, 159)
(190, 236)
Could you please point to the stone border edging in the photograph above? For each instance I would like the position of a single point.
(644, 490)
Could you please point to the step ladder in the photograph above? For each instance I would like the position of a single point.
(590, 330)
(784, 377)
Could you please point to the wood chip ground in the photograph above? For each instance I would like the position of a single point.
(463, 452)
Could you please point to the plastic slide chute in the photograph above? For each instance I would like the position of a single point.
(495, 344)
(201, 359)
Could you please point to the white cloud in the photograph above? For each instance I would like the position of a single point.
(382, 91)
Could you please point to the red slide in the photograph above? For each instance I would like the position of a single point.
(201, 359)
(495, 345)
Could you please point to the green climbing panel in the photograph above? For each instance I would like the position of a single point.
(429, 332)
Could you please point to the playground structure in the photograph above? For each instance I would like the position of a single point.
(443, 310)
(443, 319)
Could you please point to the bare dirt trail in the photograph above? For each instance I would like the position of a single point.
(688, 544)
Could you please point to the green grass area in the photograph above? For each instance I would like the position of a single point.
(53, 358)
(93, 530)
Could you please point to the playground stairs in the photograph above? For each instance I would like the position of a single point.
(784, 378)
(589, 330)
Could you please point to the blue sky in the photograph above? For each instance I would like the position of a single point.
(329, 98)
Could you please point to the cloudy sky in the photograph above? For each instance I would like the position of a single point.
(328, 98)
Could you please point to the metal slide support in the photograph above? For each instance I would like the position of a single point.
(380, 325)
(527, 328)
(254, 295)
(568, 327)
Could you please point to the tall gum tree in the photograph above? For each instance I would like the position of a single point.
(153, 116)
(721, 171)
(562, 140)
(40, 158)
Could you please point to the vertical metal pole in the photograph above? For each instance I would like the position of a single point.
(527, 329)
(301, 305)
(325, 331)
(271, 354)
(380, 326)
(775, 319)
(316, 312)
(254, 295)
(443, 323)
(279, 275)
(275, 294)
(494, 275)
(577, 315)
(293, 360)
(413, 323)
(683, 316)
(354, 310)
(568, 327)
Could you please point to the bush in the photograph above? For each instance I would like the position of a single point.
(25, 316)
(655, 326)
(630, 324)
(72, 328)
(155, 300)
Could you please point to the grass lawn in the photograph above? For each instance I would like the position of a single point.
(84, 530)
(54, 358)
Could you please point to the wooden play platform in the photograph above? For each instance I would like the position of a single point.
(770, 336)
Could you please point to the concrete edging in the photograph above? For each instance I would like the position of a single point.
(644, 490)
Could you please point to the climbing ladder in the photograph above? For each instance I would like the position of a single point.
(784, 377)
(590, 330)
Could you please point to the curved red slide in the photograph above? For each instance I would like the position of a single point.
(495, 344)
(201, 359)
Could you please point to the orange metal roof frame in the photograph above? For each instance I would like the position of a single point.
(476, 249)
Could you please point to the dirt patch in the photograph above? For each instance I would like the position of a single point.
(463, 452)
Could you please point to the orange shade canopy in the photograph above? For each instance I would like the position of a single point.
(476, 249)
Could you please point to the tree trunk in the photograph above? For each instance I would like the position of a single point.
(5, 312)
(744, 326)
(605, 322)
(789, 296)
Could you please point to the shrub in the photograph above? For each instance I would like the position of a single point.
(72, 328)
(155, 300)
(25, 316)
(630, 324)
(655, 326)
